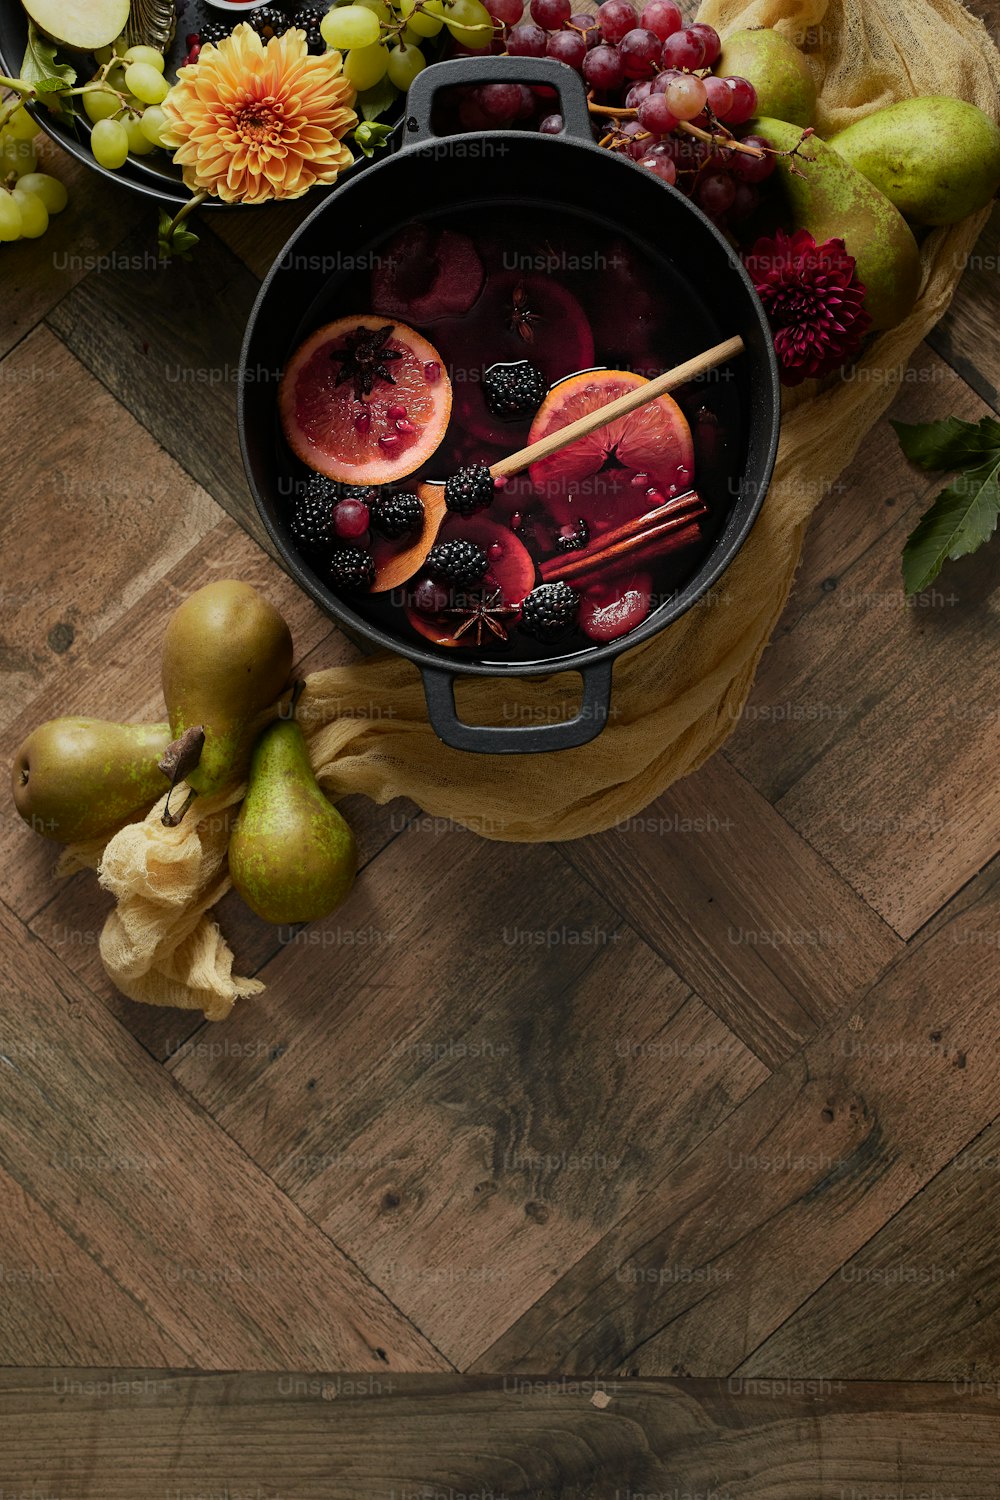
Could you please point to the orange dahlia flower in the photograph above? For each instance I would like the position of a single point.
(251, 122)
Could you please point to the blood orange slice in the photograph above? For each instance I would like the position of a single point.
(510, 578)
(365, 400)
(654, 441)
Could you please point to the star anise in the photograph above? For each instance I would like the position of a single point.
(483, 613)
(522, 319)
(364, 357)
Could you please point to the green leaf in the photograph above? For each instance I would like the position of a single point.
(45, 74)
(951, 444)
(376, 100)
(370, 138)
(962, 518)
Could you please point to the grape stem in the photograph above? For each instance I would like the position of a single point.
(721, 139)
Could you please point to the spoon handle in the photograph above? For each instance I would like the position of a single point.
(514, 463)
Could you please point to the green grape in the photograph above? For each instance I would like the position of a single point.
(139, 143)
(147, 55)
(153, 121)
(422, 22)
(98, 104)
(411, 38)
(117, 49)
(404, 65)
(469, 23)
(364, 66)
(351, 26)
(17, 157)
(20, 126)
(146, 83)
(49, 189)
(377, 8)
(34, 214)
(10, 217)
(109, 143)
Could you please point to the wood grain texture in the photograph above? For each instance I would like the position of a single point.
(106, 1143)
(78, 243)
(968, 336)
(869, 722)
(117, 1434)
(118, 513)
(165, 339)
(798, 1180)
(724, 891)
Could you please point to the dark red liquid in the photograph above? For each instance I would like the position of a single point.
(501, 284)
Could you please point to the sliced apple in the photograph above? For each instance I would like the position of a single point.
(83, 25)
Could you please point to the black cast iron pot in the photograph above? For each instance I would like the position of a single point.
(430, 174)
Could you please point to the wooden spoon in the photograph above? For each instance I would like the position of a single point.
(398, 567)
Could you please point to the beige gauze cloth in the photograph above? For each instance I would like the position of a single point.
(677, 696)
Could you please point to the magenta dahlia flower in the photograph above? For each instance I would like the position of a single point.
(813, 300)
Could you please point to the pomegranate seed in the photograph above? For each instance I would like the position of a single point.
(500, 482)
(362, 421)
(191, 38)
(389, 441)
(495, 552)
(404, 425)
(655, 498)
(638, 480)
(432, 372)
(396, 412)
(194, 54)
(516, 521)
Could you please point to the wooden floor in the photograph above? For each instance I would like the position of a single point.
(695, 1194)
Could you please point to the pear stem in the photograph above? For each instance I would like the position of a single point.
(171, 820)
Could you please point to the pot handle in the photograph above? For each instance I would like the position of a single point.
(439, 688)
(470, 70)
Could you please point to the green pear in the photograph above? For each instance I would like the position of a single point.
(292, 857)
(227, 654)
(76, 778)
(832, 200)
(937, 159)
(778, 71)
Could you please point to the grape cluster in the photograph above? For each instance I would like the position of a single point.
(380, 40)
(123, 103)
(27, 197)
(653, 95)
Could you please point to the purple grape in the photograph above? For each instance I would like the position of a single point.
(616, 18)
(711, 41)
(602, 67)
(567, 47)
(656, 117)
(663, 17)
(639, 50)
(715, 194)
(526, 40)
(753, 168)
(744, 105)
(526, 108)
(500, 102)
(641, 144)
(551, 125)
(661, 167)
(685, 49)
(550, 14)
(720, 97)
(637, 93)
(587, 27)
(507, 12)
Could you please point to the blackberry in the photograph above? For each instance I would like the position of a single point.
(211, 33)
(395, 515)
(312, 512)
(458, 562)
(269, 22)
(515, 390)
(576, 540)
(469, 490)
(351, 569)
(308, 20)
(549, 611)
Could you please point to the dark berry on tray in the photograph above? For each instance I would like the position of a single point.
(469, 490)
(550, 611)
